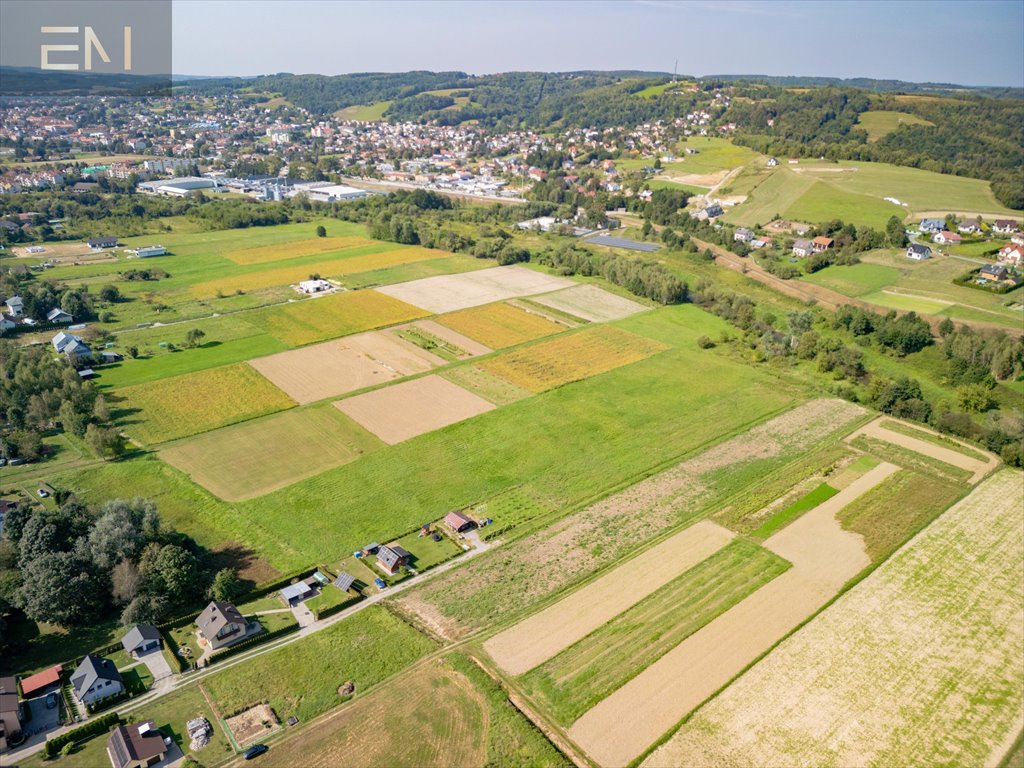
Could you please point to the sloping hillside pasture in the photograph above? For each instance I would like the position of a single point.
(881, 122)
(772, 197)
(339, 314)
(500, 325)
(825, 201)
(568, 358)
(939, 622)
(366, 113)
(259, 456)
(284, 251)
(365, 648)
(167, 409)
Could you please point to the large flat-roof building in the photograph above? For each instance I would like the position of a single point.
(177, 187)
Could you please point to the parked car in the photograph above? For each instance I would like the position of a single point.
(52, 700)
(255, 751)
(380, 583)
(43, 493)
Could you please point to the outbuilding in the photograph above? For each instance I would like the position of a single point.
(458, 522)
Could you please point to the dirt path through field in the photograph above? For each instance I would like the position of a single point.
(824, 557)
(945, 455)
(543, 635)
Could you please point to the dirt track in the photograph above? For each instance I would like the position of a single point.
(539, 637)
(824, 557)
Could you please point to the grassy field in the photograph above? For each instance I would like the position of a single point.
(167, 409)
(500, 325)
(938, 622)
(364, 112)
(573, 681)
(807, 502)
(856, 279)
(283, 251)
(257, 457)
(713, 155)
(487, 385)
(825, 201)
(448, 265)
(365, 649)
(881, 122)
(571, 357)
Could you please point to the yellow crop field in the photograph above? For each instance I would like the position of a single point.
(576, 356)
(336, 267)
(282, 251)
(163, 410)
(500, 325)
(337, 315)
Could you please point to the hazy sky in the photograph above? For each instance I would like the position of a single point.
(973, 42)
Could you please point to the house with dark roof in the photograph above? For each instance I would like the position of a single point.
(932, 225)
(391, 557)
(10, 712)
(1004, 226)
(141, 638)
(742, 235)
(458, 522)
(58, 315)
(220, 624)
(998, 273)
(918, 252)
(102, 242)
(136, 745)
(96, 678)
(803, 248)
(15, 306)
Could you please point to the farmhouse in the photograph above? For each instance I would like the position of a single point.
(391, 558)
(932, 225)
(102, 242)
(821, 243)
(136, 745)
(1004, 226)
(96, 678)
(40, 682)
(314, 286)
(10, 713)
(918, 252)
(344, 581)
(141, 638)
(57, 315)
(220, 624)
(945, 237)
(15, 306)
(742, 235)
(458, 522)
(803, 248)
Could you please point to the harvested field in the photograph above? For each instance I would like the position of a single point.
(434, 328)
(336, 267)
(437, 719)
(500, 325)
(447, 293)
(327, 317)
(824, 557)
(549, 632)
(282, 251)
(919, 664)
(251, 459)
(403, 411)
(487, 385)
(947, 455)
(550, 364)
(510, 579)
(255, 723)
(591, 303)
(576, 679)
(337, 367)
(167, 409)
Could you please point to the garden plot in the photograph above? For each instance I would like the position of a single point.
(918, 664)
(538, 638)
(463, 342)
(447, 293)
(337, 367)
(255, 723)
(824, 557)
(591, 303)
(501, 325)
(412, 408)
(946, 455)
(251, 459)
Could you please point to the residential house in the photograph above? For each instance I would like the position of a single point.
(391, 558)
(96, 678)
(15, 306)
(315, 286)
(58, 315)
(77, 351)
(1012, 254)
(62, 339)
(220, 624)
(458, 522)
(821, 243)
(141, 638)
(742, 235)
(41, 682)
(803, 248)
(136, 745)
(1004, 226)
(945, 237)
(7, 323)
(931, 225)
(968, 227)
(109, 356)
(713, 210)
(1017, 238)
(102, 242)
(10, 712)
(997, 273)
(918, 252)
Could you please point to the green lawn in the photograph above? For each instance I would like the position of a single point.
(919, 304)
(783, 517)
(577, 678)
(856, 279)
(365, 649)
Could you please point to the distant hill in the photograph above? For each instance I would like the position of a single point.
(869, 84)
